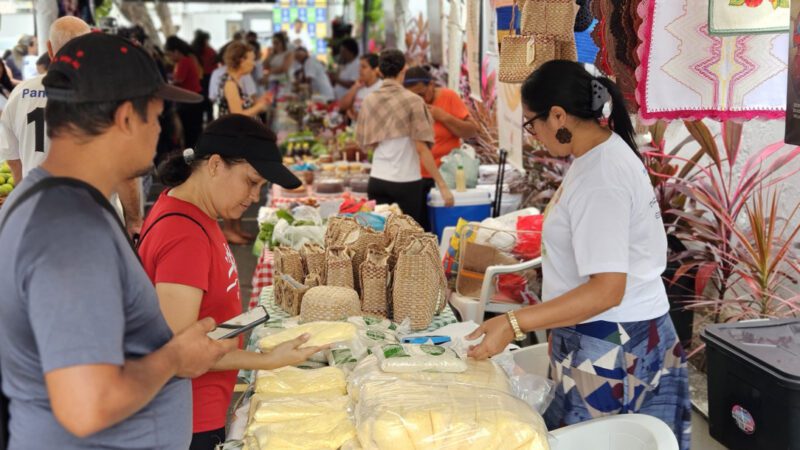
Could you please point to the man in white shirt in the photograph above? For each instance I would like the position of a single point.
(368, 82)
(23, 136)
(348, 72)
(298, 35)
(307, 69)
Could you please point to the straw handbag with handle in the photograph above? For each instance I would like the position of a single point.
(375, 277)
(418, 285)
(339, 267)
(551, 19)
(357, 242)
(520, 55)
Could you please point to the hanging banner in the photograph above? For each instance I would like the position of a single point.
(793, 88)
(736, 17)
(474, 50)
(509, 122)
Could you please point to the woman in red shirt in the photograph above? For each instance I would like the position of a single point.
(188, 259)
(187, 74)
(451, 122)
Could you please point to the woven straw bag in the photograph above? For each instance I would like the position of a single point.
(292, 294)
(522, 54)
(289, 262)
(313, 280)
(398, 222)
(375, 277)
(566, 50)
(418, 284)
(339, 267)
(338, 229)
(329, 303)
(314, 259)
(548, 17)
(357, 242)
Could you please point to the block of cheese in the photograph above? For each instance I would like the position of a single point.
(415, 415)
(480, 374)
(299, 439)
(269, 410)
(404, 358)
(322, 333)
(291, 381)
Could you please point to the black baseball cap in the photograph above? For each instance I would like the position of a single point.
(239, 136)
(99, 67)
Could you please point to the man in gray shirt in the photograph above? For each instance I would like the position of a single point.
(87, 360)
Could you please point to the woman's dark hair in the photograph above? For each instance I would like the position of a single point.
(371, 59)
(176, 44)
(283, 39)
(200, 41)
(174, 170)
(235, 53)
(351, 45)
(5, 80)
(568, 85)
(416, 75)
(391, 62)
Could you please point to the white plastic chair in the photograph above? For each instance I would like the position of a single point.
(620, 432)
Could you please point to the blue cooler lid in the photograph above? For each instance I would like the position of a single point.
(774, 345)
(471, 197)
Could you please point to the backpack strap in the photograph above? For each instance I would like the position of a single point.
(164, 216)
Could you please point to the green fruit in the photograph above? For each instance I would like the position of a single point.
(10, 180)
(6, 189)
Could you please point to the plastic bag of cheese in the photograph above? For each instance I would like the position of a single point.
(401, 358)
(479, 374)
(405, 415)
(291, 381)
(322, 333)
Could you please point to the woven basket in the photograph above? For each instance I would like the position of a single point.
(314, 259)
(375, 276)
(551, 17)
(357, 242)
(329, 303)
(339, 267)
(288, 262)
(520, 55)
(398, 222)
(292, 294)
(566, 50)
(313, 280)
(417, 285)
(338, 229)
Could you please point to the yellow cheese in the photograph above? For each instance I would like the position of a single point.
(294, 382)
(322, 333)
(300, 439)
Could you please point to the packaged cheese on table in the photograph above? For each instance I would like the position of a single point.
(410, 415)
(322, 333)
(291, 381)
(307, 423)
(399, 358)
(479, 374)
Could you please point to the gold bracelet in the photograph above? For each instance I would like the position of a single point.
(518, 334)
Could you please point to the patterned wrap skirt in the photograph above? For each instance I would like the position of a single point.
(605, 368)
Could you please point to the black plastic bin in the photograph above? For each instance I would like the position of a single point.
(754, 384)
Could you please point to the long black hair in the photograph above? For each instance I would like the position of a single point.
(176, 44)
(174, 170)
(6, 86)
(568, 85)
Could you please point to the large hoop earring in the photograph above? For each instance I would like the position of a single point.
(563, 135)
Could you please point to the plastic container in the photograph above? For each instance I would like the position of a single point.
(754, 384)
(473, 205)
(508, 204)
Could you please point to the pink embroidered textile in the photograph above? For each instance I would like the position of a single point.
(688, 74)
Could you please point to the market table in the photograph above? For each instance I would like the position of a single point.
(267, 299)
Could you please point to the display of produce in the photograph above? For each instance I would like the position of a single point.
(294, 382)
(6, 181)
(322, 333)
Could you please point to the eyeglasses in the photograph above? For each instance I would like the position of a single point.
(528, 125)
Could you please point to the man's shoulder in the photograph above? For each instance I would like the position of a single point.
(31, 89)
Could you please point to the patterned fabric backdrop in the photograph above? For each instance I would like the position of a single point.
(687, 73)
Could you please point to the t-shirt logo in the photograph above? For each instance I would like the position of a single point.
(233, 273)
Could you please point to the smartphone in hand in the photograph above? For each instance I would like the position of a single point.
(240, 324)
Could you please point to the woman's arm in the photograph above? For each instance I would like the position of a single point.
(602, 292)
(463, 128)
(180, 305)
(349, 99)
(231, 93)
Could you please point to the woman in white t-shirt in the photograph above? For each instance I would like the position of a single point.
(613, 347)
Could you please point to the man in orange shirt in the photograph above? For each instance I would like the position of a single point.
(452, 121)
